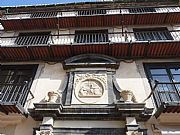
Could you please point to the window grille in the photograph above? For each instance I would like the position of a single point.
(142, 10)
(150, 34)
(43, 14)
(165, 80)
(91, 36)
(91, 12)
(33, 38)
(15, 82)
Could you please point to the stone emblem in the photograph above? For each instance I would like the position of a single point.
(89, 88)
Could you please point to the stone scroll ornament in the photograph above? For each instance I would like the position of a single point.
(52, 97)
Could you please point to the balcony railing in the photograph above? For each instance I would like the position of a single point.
(166, 92)
(14, 93)
(92, 38)
(32, 40)
(90, 12)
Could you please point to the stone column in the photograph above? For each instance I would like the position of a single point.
(132, 126)
(46, 128)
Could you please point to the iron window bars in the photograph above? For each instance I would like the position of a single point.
(149, 34)
(32, 38)
(15, 82)
(165, 82)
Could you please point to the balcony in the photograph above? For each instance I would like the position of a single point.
(152, 44)
(12, 98)
(15, 84)
(93, 17)
(167, 99)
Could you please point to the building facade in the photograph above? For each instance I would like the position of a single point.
(90, 68)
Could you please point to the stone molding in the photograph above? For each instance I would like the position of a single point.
(44, 132)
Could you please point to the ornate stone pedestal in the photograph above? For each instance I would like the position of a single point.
(132, 128)
(134, 133)
(46, 128)
(48, 132)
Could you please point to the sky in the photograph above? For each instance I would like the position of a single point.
(36, 2)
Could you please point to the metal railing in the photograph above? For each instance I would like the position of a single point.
(142, 10)
(93, 38)
(166, 92)
(89, 12)
(43, 14)
(14, 93)
(32, 40)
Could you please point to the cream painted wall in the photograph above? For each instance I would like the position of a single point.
(48, 78)
(128, 78)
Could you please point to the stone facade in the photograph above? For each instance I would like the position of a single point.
(90, 88)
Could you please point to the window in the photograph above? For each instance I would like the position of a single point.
(142, 10)
(148, 34)
(92, 12)
(91, 36)
(15, 81)
(167, 87)
(33, 38)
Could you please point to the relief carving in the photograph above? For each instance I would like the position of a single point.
(52, 97)
(128, 96)
(90, 88)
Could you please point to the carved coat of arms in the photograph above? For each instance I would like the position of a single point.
(89, 86)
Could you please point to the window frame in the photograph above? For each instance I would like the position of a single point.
(160, 99)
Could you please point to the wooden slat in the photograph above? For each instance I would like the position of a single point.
(61, 51)
(138, 49)
(92, 21)
(40, 52)
(117, 50)
(173, 18)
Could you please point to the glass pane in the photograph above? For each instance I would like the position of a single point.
(176, 78)
(175, 71)
(158, 71)
(178, 87)
(161, 78)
